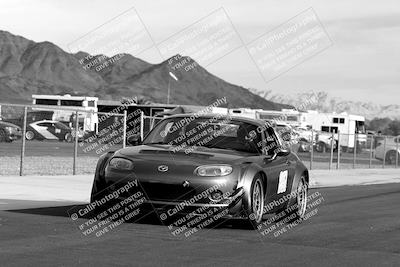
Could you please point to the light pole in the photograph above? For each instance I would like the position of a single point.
(169, 84)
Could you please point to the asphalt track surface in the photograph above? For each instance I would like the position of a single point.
(354, 226)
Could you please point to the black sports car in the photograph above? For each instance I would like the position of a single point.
(191, 161)
(9, 132)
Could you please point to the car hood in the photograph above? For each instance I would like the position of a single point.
(5, 124)
(201, 155)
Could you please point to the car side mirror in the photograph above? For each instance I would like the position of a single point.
(134, 140)
(283, 152)
(269, 157)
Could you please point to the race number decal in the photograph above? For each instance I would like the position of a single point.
(58, 131)
(282, 181)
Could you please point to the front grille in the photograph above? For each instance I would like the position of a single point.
(167, 192)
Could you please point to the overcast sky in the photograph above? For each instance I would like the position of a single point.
(362, 64)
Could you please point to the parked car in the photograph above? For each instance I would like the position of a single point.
(288, 134)
(305, 137)
(9, 132)
(31, 116)
(323, 141)
(48, 130)
(388, 151)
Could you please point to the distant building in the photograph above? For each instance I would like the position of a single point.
(88, 120)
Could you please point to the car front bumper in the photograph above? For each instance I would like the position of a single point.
(13, 136)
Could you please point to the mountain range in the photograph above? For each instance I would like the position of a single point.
(323, 102)
(28, 67)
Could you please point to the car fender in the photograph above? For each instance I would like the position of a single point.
(246, 180)
(99, 173)
(300, 170)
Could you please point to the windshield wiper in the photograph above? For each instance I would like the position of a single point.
(155, 143)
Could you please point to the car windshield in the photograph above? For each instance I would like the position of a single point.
(61, 125)
(185, 132)
(285, 132)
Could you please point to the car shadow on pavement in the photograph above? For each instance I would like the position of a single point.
(148, 218)
(67, 210)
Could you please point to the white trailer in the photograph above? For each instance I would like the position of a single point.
(286, 116)
(87, 104)
(351, 127)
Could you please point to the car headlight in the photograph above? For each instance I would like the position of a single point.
(213, 170)
(121, 164)
(9, 129)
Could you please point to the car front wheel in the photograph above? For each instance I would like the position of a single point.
(255, 208)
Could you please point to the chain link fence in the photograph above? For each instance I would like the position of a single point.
(48, 140)
(324, 150)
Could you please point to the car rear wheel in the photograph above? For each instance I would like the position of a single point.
(68, 137)
(301, 198)
(304, 146)
(29, 135)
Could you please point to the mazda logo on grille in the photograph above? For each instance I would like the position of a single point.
(185, 184)
(162, 168)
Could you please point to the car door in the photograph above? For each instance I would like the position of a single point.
(58, 130)
(45, 130)
(279, 168)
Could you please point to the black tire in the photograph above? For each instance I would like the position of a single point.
(301, 199)
(320, 147)
(3, 136)
(97, 194)
(390, 157)
(304, 146)
(97, 190)
(68, 138)
(254, 210)
(29, 135)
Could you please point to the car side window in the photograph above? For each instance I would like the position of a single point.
(271, 142)
(252, 138)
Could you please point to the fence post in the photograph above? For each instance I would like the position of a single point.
(124, 130)
(76, 142)
(331, 156)
(370, 151)
(152, 120)
(355, 151)
(384, 152)
(312, 149)
(21, 163)
(141, 125)
(338, 151)
(397, 153)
